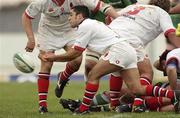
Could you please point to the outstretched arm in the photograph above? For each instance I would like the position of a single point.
(68, 56)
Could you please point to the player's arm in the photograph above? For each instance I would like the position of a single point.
(171, 73)
(175, 10)
(173, 39)
(27, 25)
(68, 56)
(168, 28)
(98, 5)
(108, 10)
(30, 13)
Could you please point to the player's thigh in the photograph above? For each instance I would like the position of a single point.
(91, 59)
(45, 66)
(103, 67)
(167, 108)
(131, 79)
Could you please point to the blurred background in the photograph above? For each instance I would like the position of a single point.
(13, 39)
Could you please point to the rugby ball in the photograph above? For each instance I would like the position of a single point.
(23, 62)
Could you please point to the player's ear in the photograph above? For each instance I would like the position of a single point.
(80, 16)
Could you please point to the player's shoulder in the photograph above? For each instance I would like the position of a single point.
(87, 2)
(88, 24)
(41, 1)
(174, 51)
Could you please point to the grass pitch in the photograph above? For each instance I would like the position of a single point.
(21, 101)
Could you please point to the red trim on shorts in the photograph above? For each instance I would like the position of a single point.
(97, 7)
(79, 48)
(169, 31)
(28, 15)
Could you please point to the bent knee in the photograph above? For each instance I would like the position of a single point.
(137, 91)
(89, 65)
(75, 64)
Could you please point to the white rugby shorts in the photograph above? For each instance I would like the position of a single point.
(122, 54)
(53, 42)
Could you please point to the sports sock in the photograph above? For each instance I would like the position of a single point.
(67, 72)
(89, 94)
(160, 92)
(43, 85)
(115, 87)
(153, 103)
(138, 100)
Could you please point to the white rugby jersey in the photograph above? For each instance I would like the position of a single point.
(96, 36)
(174, 55)
(142, 22)
(54, 17)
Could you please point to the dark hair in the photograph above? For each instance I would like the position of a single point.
(81, 9)
(164, 4)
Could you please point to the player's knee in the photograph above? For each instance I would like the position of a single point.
(75, 64)
(137, 90)
(147, 74)
(92, 76)
(89, 65)
(46, 67)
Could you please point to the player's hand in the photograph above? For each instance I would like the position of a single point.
(49, 56)
(30, 46)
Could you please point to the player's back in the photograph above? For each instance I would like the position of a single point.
(141, 22)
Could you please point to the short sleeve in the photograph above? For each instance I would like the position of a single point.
(34, 9)
(165, 22)
(83, 38)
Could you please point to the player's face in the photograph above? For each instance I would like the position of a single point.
(73, 19)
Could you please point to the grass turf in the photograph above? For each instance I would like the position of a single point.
(20, 101)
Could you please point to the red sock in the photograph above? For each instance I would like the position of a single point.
(115, 87)
(154, 103)
(43, 85)
(160, 92)
(138, 100)
(90, 91)
(67, 72)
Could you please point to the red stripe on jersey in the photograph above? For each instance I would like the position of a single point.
(79, 48)
(172, 59)
(58, 2)
(97, 7)
(169, 31)
(28, 15)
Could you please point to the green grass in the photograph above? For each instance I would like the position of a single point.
(20, 101)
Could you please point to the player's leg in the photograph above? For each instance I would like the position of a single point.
(146, 76)
(155, 103)
(167, 108)
(114, 60)
(101, 68)
(130, 78)
(43, 84)
(63, 77)
(115, 84)
(91, 60)
(145, 70)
